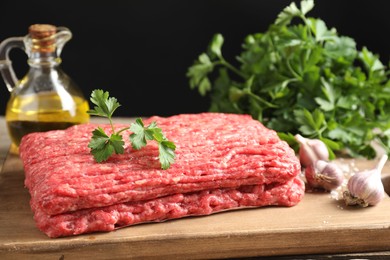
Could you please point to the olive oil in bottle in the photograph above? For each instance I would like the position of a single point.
(43, 112)
(46, 98)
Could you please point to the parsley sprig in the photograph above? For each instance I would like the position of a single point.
(103, 145)
(300, 76)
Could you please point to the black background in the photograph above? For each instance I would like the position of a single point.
(140, 51)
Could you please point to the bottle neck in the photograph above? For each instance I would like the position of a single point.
(44, 59)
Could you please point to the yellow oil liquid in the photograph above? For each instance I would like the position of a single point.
(43, 112)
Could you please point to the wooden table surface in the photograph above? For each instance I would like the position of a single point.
(338, 226)
(5, 142)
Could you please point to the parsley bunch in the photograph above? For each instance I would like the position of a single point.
(103, 146)
(300, 76)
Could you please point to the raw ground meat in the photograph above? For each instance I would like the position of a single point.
(215, 152)
(169, 207)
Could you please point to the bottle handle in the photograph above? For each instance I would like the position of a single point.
(63, 35)
(6, 68)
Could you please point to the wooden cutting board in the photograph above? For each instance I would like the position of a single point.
(319, 224)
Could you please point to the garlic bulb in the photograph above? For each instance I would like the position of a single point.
(366, 188)
(311, 150)
(324, 175)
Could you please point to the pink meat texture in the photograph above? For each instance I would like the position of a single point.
(223, 162)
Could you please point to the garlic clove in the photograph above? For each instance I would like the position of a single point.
(366, 188)
(324, 175)
(319, 148)
(311, 150)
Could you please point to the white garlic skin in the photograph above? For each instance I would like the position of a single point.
(319, 148)
(311, 150)
(366, 187)
(324, 175)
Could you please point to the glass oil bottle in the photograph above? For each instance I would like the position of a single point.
(46, 98)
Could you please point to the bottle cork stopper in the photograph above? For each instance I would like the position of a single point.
(40, 31)
(43, 37)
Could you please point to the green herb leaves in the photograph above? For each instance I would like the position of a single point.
(291, 11)
(103, 146)
(141, 134)
(105, 105)
(300, 76)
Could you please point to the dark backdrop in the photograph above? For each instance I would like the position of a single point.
(140, 50)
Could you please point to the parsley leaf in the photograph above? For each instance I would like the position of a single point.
(167, 154)
(105, 105)
(138, 139)
(141, 134)
(103, 146)
(301, 77)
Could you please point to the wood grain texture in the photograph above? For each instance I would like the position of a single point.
(320, 224)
